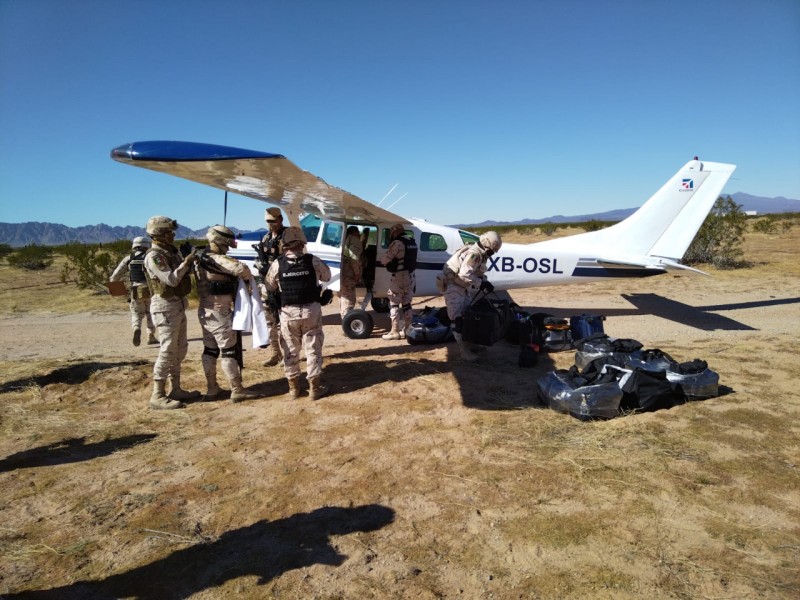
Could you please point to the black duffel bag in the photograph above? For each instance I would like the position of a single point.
(486, 320)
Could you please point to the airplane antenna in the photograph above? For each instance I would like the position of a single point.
(225, 213)
(387, 194)
(396, 201)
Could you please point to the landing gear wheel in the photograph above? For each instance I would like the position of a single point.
(380, 305)
(357, 324)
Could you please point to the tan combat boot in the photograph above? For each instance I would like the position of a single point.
(294, 388)
(210, 370)
(159, 400)
(466, 353)
(176, 393)
(315, 388)
(137, 336)
(239, 394)
(394, 334)
(275, 355)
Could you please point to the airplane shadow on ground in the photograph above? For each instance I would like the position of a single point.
(70, 451)
(72, 374)
(266, 549)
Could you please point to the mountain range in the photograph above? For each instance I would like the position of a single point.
(54, 234)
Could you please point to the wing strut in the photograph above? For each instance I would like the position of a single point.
(225, 212)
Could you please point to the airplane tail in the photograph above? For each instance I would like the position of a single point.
(665, 225)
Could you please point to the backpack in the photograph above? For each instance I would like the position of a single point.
(551, 333)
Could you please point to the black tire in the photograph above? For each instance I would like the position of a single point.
(380, 305)
(357, 324)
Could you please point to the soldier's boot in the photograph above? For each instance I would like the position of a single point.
(159, 400)
(239, 393)
(275, 356)
(294, 388)
(394, 334)
(210, 371)
(177, 393)
(151, 338)
(466, 353)
(408, 318)
(315, 388)
(137, 336)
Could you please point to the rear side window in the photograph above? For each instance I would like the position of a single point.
(433, 242)
(385, 239)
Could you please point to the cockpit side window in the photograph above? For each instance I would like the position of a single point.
(311, 225)
(332, 234)
(467, 237)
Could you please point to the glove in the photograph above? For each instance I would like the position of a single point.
(487, 286)
(185, 249)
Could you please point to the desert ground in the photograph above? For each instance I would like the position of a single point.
(420, 476)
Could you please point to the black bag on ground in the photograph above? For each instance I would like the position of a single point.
(486, 320)
(600, 345)
(694, 380)
(647, 391)
(585, 398)
(584, 326)
(520, 327)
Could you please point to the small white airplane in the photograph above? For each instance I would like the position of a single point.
(649, 242)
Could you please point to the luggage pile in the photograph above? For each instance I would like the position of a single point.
(487, 320)
(429, 326)
(614, 376)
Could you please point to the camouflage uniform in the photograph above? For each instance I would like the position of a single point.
(401, 289)
(139, 297)
(301, 324)
(169, 281)
(217, 282)
(270, 244)
(350, 273)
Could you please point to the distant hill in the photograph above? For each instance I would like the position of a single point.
(53, 234)
(748, 202)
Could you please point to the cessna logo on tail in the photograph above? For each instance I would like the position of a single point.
(687, 185)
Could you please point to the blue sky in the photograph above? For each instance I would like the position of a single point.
(478, 110)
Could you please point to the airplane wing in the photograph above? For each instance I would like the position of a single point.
(267, 177)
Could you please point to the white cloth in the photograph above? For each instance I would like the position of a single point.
(248, 313)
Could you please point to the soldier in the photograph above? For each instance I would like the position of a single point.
(297, 276)
(400, 260)
(133, 265)
(217, 283)
(351, 270)
(169, 281)
(269, 250)
(465, 271)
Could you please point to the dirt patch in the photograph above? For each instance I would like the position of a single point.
(419, 477)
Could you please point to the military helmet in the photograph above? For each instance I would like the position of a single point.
(398, 229)
(140, 242)
(293, 236)
(491, 241)
(221, 236)
(273, 213)
(159, 225)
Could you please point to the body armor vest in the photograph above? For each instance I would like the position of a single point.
(219, 282)
(409, 260)
(158, 287)
(136, 267)
(298, 280)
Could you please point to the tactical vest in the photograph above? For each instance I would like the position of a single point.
(409, 260)
(271, 244)
(219, 282)
(298, 280)
(158, 287)
(136, 267)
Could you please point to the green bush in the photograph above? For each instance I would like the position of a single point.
(31, 257)
(548, 228)
(719, 240)
(90, 265)
(767, 225)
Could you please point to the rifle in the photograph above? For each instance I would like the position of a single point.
(238, 350)
(262, 264)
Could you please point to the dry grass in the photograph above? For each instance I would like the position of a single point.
(417, 478)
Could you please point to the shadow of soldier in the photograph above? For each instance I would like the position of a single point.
(71, 374)
(70, 451)
(264, 549)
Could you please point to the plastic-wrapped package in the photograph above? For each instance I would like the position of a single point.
(563, 391)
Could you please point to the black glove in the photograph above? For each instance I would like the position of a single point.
(487, 286)
(185, 249)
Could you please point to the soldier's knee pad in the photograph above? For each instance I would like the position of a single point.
(211, 351)
(229, 352)
(406, 307)
(458, 324)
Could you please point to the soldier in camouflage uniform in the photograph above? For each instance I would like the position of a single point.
(271, 249)
(463, 273)
(217, 283)
(133, 265)
(400, 260)
(351, 270)
(297, 276)
(169, 281)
